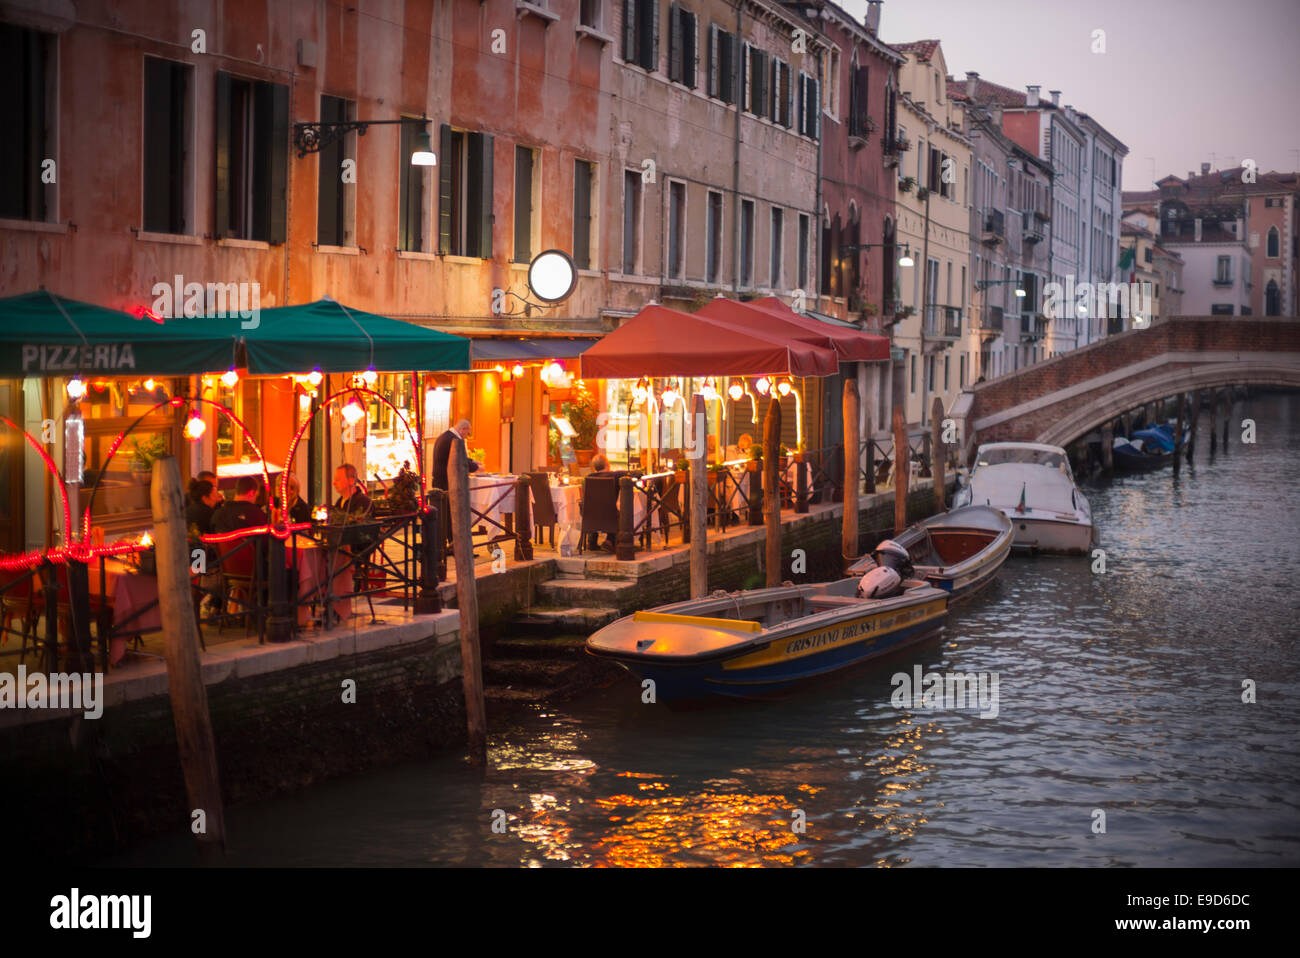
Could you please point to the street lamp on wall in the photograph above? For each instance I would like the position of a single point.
(314, 136)
(905, 259)
(552, 278)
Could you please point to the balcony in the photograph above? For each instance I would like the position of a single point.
(1034, 327)
(1223, 281)
(1034, 228)
(988, 322)
(994, 228)
(942, 322)
(860, 129)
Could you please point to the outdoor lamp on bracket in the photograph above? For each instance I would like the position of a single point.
(985, 284)
(314, 136)
(904, 259)
(552, 277)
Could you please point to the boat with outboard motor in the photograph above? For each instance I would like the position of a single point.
(764, 642)
(959, 551)
(1032, 484)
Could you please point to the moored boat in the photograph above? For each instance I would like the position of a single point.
(1139, 453)
(1032, 484)
(764, 642)
(959, 551)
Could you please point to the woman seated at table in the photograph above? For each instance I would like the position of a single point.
(600, 467)
(204, 499)
(299, 510)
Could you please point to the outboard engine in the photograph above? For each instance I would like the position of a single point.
(893, 565)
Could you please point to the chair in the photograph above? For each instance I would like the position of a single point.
(670, 504)
(544, 514)
(16, 602)
(239, 578)
(599, 507)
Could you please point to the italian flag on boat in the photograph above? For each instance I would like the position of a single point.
(1020, 506)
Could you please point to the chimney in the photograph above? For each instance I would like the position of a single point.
(1032, 99)
(972, 82)
(1056, 97)
(1205, 169)
(1196, 237)
(872, 20)
(997, 115)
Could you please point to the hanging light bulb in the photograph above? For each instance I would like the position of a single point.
(669, 397)
(314, 377)
(150, 385)
(784, 387)
(195, 427)
(735, 390)
(146, 540)
(518, 370)
(76, 388)
(763, 385)
(230, 377)
(353, 411)
(709, 391)
(640, 392)
(369, 377)
(552, 372)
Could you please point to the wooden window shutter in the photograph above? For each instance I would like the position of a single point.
(675, 43)
(221, 210)
(713, 89)
(690, 49)
(278, 146)
(629, 31)
(444, 189)
(480, 192)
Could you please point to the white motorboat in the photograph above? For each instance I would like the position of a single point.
(1032, 484)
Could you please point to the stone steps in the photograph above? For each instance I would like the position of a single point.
(586, 593)
(576, 620)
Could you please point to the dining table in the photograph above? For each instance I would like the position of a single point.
(493, 496)
(128, 592)
(313, 558)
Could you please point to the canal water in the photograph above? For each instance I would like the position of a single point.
(1120, 706)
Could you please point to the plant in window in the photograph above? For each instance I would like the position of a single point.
(145, 451)
(906, 183)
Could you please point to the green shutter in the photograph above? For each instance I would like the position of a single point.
(278, 146)
(444, 189)
(629, 31)
(480, 193)
(674, 43)
(221, 222)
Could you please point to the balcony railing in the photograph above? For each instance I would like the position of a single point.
(942, 322)
(989, 320)
(1223, 281)
(1034, 231)
(994, 227)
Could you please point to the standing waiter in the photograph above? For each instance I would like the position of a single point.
(442, 453)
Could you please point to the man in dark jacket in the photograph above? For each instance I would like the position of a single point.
(352, 498)
(442, 452)
(242, 511)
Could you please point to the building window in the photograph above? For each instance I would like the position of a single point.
(681, 45)
(722, 64)
(641, 33)
(335, 199)
(167, 138)
(631, 220)
(1272, 299)
(945, 371)
(804, 225)
(778, 245)
(808, 99)
(858, 101)
(464, 192)
(584, 179)
(1274, 243)
(589, 13)
(527, 206)
(831, 71)
(961, 371)
(27, 116)
(713, 239)
(676, 229)
(757, 82)
(913, 375)
(782, 94)
(252, 161)
(1221, 309)
(746, 242)
(1223, 270)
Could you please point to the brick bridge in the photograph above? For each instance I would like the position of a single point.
(1064, 398)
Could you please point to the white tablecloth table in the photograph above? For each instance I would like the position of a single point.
(484, 490)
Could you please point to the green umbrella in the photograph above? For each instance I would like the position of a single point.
(333, 338)
(45, 335)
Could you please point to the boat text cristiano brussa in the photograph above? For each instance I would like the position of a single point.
(959, 551)
(1031, 483)
(763, 642)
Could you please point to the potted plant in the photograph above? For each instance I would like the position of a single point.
(581, 412)
(144, 452)
(785, 456)
(922, 193)
(755, 463)
(906, 183)
(403, 496)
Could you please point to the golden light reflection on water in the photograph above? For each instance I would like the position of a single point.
(896, 810)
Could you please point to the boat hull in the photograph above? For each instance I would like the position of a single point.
(1057, 536)
(786, 662)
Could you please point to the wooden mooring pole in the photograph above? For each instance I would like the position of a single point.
(772, 490)
(1193, 410)
(852, 463)
(194, 740)
(700, 500)
(1214, 412)
(1227, 415)
(1178, 434)
(940, 452)
(467, 602)
(902, 471)
(1108, 449)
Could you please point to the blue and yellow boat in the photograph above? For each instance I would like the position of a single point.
(764, 642)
